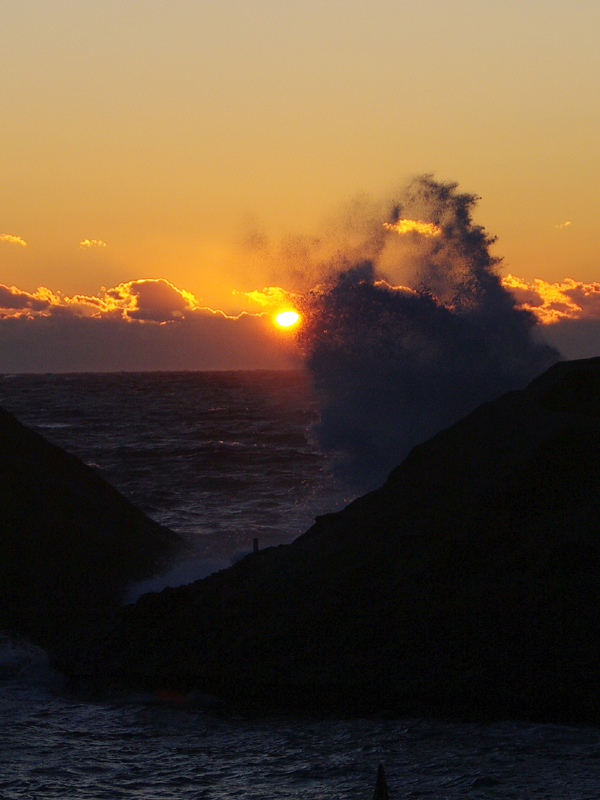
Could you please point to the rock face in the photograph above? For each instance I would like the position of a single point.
(69, 542)
(468, 583)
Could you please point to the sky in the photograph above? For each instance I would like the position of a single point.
(194, 148)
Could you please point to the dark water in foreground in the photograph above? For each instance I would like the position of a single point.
(224, 457)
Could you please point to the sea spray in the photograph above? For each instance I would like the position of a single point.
(181, 572)
(394, 364)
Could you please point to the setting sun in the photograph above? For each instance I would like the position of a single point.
(287, 318)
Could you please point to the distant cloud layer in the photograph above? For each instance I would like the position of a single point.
(151, 324)
(552, 302)
(14, 300)
(137, 325)
(146, 300)
(569, 312)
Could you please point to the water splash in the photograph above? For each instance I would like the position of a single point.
(394, 364)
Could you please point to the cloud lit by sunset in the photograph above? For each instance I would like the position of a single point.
(145, 324)
(42, 319)
(552, 302)
(270, 297)
(413, 226)
(8, 237)
(91, 243)
(14, 301)
(149, 300)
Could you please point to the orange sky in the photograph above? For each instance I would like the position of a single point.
(208, 144)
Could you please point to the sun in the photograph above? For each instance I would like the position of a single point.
(287, 318)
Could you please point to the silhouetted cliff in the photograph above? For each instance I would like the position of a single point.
(468, 583)
(69, 542)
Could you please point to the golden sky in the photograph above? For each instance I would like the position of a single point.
(179, 139)
(221, 146)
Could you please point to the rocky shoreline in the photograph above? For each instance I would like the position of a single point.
(69, 544)
(467, 585)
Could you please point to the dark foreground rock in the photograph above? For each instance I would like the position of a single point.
(69, 542)
(469, 583)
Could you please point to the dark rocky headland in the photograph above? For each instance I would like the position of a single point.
(468, 584)
(69, 542)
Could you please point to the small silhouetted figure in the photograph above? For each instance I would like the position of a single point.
(381, 792)
(255, 545)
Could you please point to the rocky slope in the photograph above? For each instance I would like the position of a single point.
(468, 583)
(69, 542)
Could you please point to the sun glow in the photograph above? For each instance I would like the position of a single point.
(287, 318)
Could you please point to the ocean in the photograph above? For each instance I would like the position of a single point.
(225, 458)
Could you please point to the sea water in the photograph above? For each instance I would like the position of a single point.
(224, 458)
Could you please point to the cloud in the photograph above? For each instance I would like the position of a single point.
(146, 324)
(271, 297)
(17, 301)
(150, 324)
(150, 300)
(8, 237)
(205, 340)
(563, 224)
(569, 312)
(553, 302)
(91, 243)
(413, 226)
